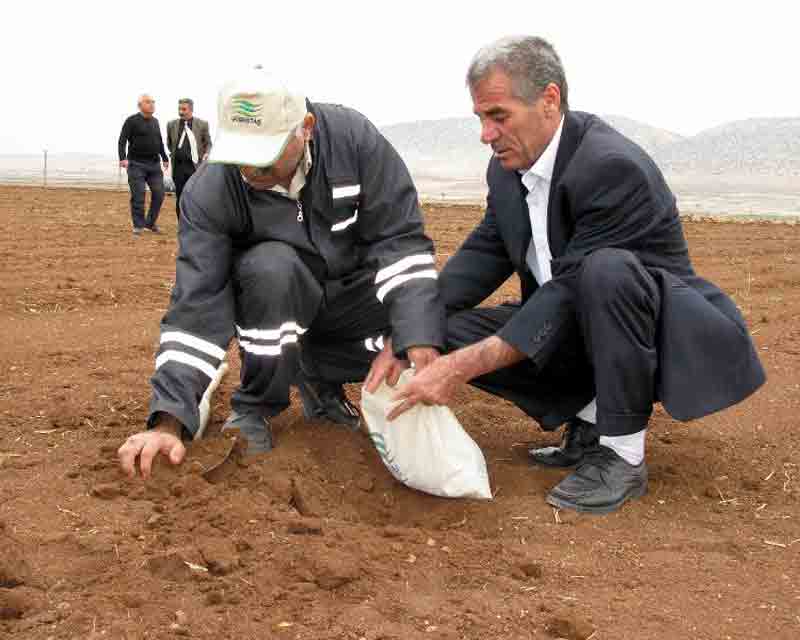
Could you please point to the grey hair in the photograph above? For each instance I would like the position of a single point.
(188, 101)
(531, 62)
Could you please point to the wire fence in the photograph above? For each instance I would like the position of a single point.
(63, 170)
(104, 172)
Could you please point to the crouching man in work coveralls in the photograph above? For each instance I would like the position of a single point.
(303, 234)
(612, 317)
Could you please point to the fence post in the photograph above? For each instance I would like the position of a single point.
(45, 168)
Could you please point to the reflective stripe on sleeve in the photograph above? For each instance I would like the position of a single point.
(194, 342)
(399, 280)
(403, 265)
(172, 355)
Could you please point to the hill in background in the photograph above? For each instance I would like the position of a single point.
(767, 147)
(748, 167)
(763, 147)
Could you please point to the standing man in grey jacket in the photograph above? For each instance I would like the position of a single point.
(140, 145)
(189, 142)
(303, 236)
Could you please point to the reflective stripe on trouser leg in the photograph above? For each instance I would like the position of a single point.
(349, 330)
(277, 298)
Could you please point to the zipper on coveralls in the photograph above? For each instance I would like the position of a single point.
(299, 211)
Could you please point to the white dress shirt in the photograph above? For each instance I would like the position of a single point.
(537, 181)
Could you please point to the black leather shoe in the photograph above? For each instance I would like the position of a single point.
(601, 484)
(578, 437)
(254, 428)
(327, 401)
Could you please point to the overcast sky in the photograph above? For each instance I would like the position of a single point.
(71, 71)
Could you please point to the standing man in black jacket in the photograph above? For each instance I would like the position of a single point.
(189, 142)
(303, 236)
(141, 135)
(612, 316)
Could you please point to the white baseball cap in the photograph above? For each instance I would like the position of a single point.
(257, 112)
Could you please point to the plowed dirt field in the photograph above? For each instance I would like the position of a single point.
(315, 540)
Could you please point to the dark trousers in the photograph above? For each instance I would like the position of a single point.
(181, 172)
(139, 174)
(282, 308)
(609, 350)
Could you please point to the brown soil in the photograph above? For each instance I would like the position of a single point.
(315, 540)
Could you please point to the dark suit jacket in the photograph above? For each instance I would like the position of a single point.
(607, 192)
(201, 134)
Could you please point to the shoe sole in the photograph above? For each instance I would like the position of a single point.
(557, 502)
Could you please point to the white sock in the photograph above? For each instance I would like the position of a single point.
(589, 412)
(630, 448)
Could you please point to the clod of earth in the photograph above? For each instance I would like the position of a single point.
(170, 567)
(106, 491)
(307, 526)
(14, 569)
(569, 628)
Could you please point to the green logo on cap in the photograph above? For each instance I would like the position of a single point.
(246, 110)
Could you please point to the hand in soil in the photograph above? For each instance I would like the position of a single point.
(146, 446)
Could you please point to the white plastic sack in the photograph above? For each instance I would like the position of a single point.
(425, 448)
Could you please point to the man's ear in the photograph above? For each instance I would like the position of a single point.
(308, 125)
(552, 96)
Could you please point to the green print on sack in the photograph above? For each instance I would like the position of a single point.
(388, 459)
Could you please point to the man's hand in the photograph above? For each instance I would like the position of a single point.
(387, 367)
(384, 367)
(435, 384)
(421, 357)
(165, 164)
(146, 445)
(123, 164)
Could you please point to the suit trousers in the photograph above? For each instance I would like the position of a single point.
(139, 175)
(607, 351)
(181, 172)
(281, 308)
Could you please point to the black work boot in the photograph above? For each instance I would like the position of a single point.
(254, 428)
(324, 400)
(578, 437)
(602, 482)
(327, 401)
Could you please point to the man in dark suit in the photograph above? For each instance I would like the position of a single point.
(189, 142)
(612, 316)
